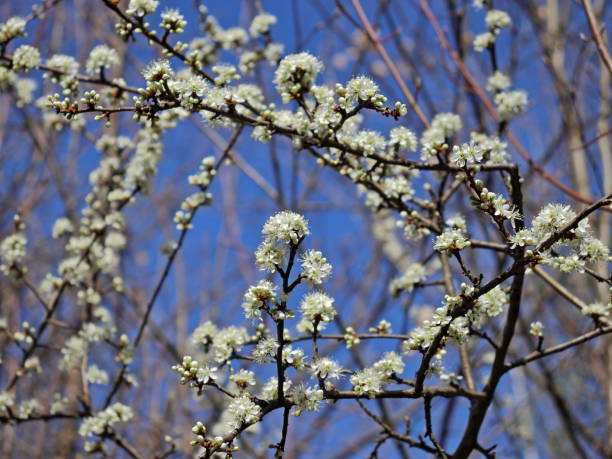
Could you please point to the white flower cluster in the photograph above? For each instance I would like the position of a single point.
(13, 250)
(370, 381)
(261, 24)
(483, 41)
(582, 244)
(12, 28)
(413, 231)
(73, 351)
(26, 57)
(452, 239)
(191, 203)
(414, 274)
(286, 226)
(510, 104)
(398, 187)
(296, 74)
(317, 307)
(496, 20)
(294, 358)
(360, 89)
(422, 336)
(383, 328)
(60, 403)
(265, 350)
(443, 126)
(62, 227)
(269, 255)
(467, 153)
(27, 333)
(100, 422)
(101, 57)
(490, 304)
(141, 7)
(190, 90)
(96, 375)
(257, 297)
(221, 341)
(494, 150)
(439, 370)
(192, 373)
(326, 368)
(173, 21)
(157, 74)
(597, 309)
(498, 81)
(143, 165)
(269, 390)
(226, 73)
(536, 329)
(315, 268)
(7, 400)
(206, 173)
(243, 379)
(403, 139)
(242, 412)
(495, 204)
(28, 407)
(306, 398)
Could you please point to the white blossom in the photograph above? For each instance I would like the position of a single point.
(368, 382)
(98, 423)
(467, 153)
(326, 368)
(7, 400)
(296, 74)
(306, 398)
(256, 297)
(26, 57)
(269, 255)
(61, 227)
(101, 57)
(498, 81)
(243, 378)
(173, 21)
(483, 41)
(265, 350)
(536, 329)
(510, 104)
(414, 274)
(226, 73)
(141, 7)
(243, 412)
(360, 88)
(73, 351)
(497, 19)
(95, 375)
(403, 139)
(285, 226)
(450, 240)
(28, 407)
(12, 28)
(269, 391)
(315, 268)
(318, 306)
(597, 309)
(261, 24)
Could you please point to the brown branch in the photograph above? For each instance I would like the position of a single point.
(599, 40)
(373, 36)
(558, 348)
